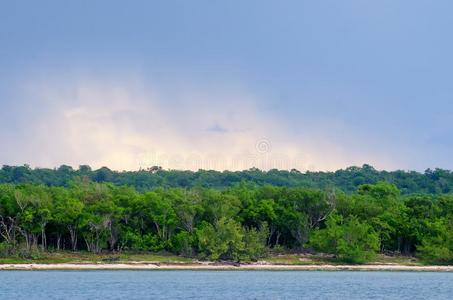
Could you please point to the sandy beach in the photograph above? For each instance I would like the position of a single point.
(157, 266)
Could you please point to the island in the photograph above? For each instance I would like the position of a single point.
(70, 219)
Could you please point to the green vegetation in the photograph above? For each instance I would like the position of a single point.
(242, 222)
(351, 240)
(55, 257)
(436, 181)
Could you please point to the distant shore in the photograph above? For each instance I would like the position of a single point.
(216, 266)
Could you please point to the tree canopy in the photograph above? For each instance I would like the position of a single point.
(241, 222)
(436, 181)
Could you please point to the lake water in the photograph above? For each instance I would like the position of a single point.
(224, 285)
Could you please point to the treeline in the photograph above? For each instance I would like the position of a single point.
(436, 181)
(242, 222)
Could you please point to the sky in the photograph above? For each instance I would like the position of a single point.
(311, 85)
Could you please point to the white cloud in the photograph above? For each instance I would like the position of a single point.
(127, 124)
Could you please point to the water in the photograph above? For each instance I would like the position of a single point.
(224, 285)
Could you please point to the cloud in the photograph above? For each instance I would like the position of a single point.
(217, 128)
(127, 124)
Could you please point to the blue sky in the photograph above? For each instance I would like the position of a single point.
(316, 85)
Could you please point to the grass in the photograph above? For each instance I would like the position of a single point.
(165, 258)
(398, 260)
(295, 259)
(88, 257)
(319, 259)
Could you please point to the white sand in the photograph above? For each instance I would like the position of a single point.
(155, 266)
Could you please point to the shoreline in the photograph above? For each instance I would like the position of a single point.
(219, 267)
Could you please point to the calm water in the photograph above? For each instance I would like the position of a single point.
(224, 285)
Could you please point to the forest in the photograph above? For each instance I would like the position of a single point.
(234, 221)
(436, 181)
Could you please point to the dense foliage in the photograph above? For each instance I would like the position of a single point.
(241, 222)
(431, 181)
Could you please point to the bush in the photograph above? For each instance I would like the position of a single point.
(351, 240)
(228, 240)
(30, 253)
(255, 243)
(146, 242)
(222, 241)
(6, 249)
(182, 243)
(437, 247)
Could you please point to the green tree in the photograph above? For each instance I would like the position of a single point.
(350, 240)
(67, 212)
(437, 246)
(223, 240)
(9, 213)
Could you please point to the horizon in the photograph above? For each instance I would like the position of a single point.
(227, 86)
(159, 168)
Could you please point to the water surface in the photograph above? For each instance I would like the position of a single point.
(224, 285)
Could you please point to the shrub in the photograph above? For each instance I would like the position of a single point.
(350, 240)
(6, 249)
(437, 247)
(182, 243)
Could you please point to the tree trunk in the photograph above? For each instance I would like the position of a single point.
(73, 235)
(35, 240)
(8, 230)
(278, 238)
(58, 241)
(43, 238)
